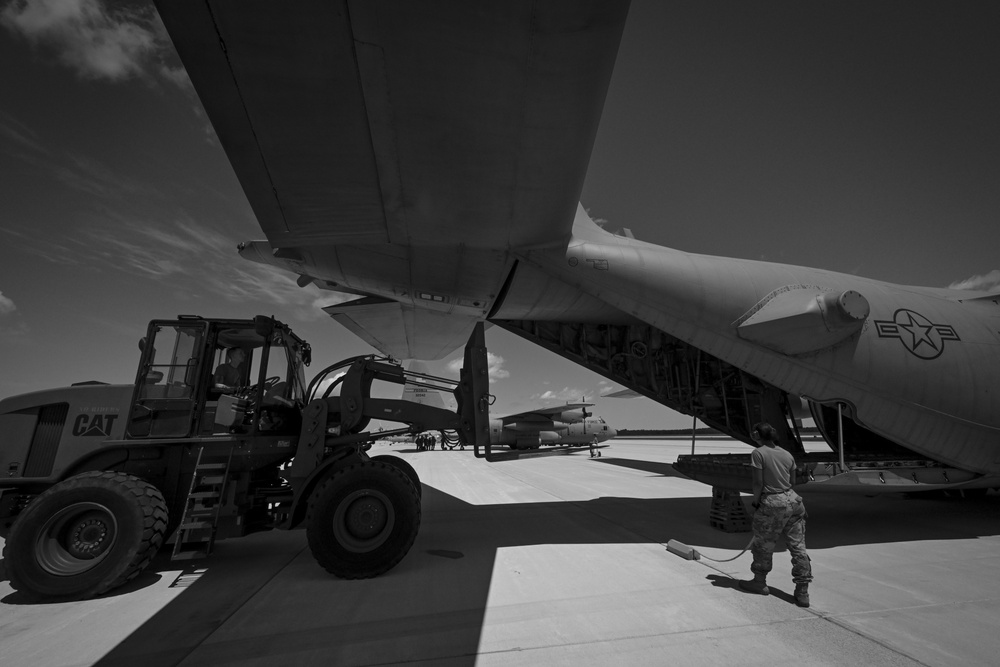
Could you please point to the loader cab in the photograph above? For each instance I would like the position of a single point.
(176, 395)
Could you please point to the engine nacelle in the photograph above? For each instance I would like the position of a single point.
(573, 416)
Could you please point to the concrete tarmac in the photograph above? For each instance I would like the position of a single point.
(558, 560)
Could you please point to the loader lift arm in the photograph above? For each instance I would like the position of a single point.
(333, 426)
(362, 514)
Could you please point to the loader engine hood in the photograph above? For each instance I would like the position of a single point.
(85, 410)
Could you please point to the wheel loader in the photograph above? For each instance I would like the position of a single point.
(99, 476)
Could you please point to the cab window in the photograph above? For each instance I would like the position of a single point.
(173, 362)
(284, 382)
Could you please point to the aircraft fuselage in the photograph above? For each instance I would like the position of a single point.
(528, 435)
(916, 365)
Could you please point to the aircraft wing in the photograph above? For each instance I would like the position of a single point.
(428, 139)
(546, 415)
(624, 393)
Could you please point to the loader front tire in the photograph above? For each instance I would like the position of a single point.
(402, 464)
(363, 519)
(85, 536)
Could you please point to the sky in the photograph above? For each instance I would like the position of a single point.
(853, 136)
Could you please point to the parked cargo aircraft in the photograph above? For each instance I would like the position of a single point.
(428, 159)
(559, 425)
(569, 424)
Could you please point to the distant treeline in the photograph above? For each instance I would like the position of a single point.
(808, 430)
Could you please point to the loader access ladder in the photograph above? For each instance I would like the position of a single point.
(196, 533)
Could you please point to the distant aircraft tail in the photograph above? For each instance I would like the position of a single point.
(423, 395)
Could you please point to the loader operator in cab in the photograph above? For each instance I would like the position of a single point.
(778, 512)
(227, 376)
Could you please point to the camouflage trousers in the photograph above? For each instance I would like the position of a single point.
(781, 515)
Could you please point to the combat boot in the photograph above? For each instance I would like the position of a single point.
(802, 595)
(757, 585)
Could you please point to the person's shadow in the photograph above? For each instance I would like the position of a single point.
(726, 581)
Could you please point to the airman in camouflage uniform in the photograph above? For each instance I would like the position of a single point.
(779, 512)
(782, 513)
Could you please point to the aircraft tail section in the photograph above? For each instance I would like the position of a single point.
(423, 395)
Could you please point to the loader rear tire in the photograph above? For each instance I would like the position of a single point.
(85, 536)
(363, 519)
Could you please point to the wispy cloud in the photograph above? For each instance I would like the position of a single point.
(89, 175)
(177, 76)
(19, 133)
(260, 283)
(604, 388)
(80, 172)
(497, 371)
(49, 248)
(564, 394)
(6, 305)
(14, 332)
(494, 361)
(985, 282)
(206, 256)
(600, 222)
(96, 41)
(131, 254)
(13, 329)
(194, 257)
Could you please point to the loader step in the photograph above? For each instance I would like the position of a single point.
(212, 481)
(196, 525)
(203, 494)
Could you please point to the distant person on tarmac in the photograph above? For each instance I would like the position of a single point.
(227, 376)
(594, 451)
(779, 511)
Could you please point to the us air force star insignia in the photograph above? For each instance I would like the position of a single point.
(919, 335)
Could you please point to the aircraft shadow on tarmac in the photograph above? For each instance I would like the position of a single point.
(456, 549)
(655, 467)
